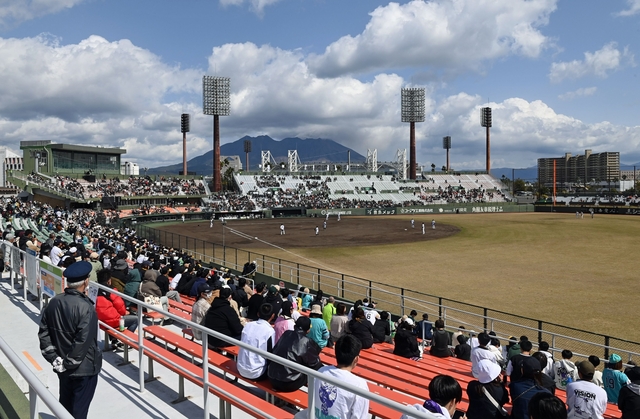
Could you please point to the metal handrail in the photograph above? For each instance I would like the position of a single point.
(311, 374)
(327, 275)
(36, 388)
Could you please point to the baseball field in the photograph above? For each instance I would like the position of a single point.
(578, 272)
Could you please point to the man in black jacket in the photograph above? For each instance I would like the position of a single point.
(221, 317)
(68, 340)
(294, 345)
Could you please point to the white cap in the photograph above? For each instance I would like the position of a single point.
(488, 371)
(409, 321)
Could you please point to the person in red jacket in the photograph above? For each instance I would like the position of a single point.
(110, 307)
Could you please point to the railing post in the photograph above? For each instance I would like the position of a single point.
(140, 350)
(319, 286)
(298, 265)
(402, 301)
(342, 287)
(606, 347)
(369, 290)
(440, 307)
(539, 330)
(33, 403)
(205, 375)
(310, 395)
(279, 268)
(485, 318)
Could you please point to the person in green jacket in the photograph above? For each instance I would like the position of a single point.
(328, 311)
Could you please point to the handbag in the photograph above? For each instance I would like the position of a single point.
(152, 300)
(493, 401)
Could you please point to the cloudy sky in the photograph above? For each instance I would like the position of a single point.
(560, 75)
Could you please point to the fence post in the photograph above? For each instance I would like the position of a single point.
(342, 289)
(298, 274)
(539, 330)
(369, 290)
(237, 258)
(440, 307)
(279, 268)
(485, 319)
(319, 286)
(606, 347)
(402, 301)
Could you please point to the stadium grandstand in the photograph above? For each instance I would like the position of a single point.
(393, 381)
(77, 211)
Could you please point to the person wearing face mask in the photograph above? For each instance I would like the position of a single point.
(200, 307)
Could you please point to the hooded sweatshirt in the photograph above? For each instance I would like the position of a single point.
(564, 372)
(629, 400)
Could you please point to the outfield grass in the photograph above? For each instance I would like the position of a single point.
(554, 267)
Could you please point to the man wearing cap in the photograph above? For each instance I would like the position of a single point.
(585, 399)
(68, 340)
(613, 377)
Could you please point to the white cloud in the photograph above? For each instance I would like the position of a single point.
(582, 92)
(599, 63)
(94, 77)
(14, 12)
(634, 8)
(116, 94)
(522, 132)
(442, 34)
(257, 6)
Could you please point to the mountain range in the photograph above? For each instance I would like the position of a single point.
(310, 150)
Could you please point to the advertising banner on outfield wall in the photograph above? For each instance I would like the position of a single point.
(470, 208)
(381, 211)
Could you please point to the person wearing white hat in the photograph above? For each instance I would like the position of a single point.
(487, 394)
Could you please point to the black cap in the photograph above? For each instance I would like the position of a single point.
(303, 323)
(78, 271)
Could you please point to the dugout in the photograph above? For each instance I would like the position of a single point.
(288, 212)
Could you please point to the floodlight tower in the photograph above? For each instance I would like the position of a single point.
(247, 150)
(216, 102)
(412, 109)
(184, 127)
(446, 144)
(485, 121)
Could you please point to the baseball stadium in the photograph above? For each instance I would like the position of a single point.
(452, 246)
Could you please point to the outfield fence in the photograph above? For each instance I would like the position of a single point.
(400, 301)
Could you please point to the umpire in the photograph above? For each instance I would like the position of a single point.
(69, 340)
